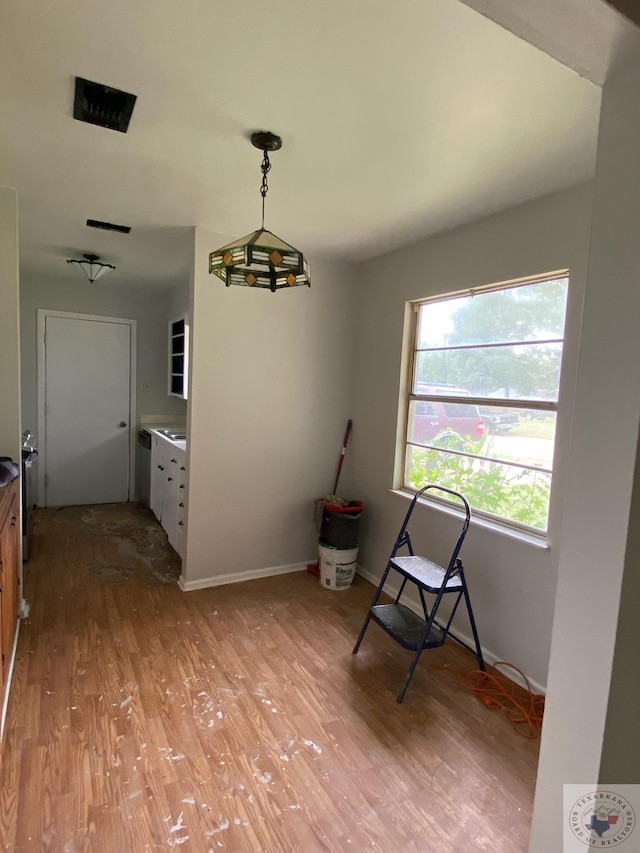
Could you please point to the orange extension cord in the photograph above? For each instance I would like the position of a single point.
(495, 690)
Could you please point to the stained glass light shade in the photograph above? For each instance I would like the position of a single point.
(260, 259)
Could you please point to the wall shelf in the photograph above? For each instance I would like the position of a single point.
(178, 357)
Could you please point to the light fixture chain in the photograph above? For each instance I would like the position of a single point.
(261, 260)
(264, 187)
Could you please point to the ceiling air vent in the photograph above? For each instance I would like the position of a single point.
(108, 226)
(102, 105)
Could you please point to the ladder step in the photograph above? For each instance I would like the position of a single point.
(406, 627)
(430, 576)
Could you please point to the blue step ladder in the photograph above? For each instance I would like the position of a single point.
(413, 632)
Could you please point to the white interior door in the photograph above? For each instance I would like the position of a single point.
(87, 410)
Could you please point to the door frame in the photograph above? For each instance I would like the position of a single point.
(42, 314)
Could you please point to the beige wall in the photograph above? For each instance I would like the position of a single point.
(270, 393)
(9, 327)
(620, 762)
(598, 564)
(512, 583)
(178, 298)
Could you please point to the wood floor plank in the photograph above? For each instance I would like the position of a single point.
(12, 768)
(235, 719)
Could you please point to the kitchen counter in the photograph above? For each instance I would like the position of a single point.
(180, 443)
(161, 432)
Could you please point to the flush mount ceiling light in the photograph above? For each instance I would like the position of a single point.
(91, 267)
(261, 259)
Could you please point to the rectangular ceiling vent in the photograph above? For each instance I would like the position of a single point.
(102, 105)
(108, 226)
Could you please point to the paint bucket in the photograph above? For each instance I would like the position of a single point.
(337, 567)
(341, 525)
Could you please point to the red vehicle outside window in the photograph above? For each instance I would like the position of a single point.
(430, 420)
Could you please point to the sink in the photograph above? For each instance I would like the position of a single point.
(173, 435)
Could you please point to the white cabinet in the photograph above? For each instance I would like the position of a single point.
(181, 512)
(159, 464)
(179, 357)
(169, 489)
(9, 576)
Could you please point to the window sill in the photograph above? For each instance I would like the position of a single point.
(534, 540)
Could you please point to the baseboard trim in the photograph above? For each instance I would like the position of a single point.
(490, 658)
(239, 577)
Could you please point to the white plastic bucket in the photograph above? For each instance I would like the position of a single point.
(337, 568)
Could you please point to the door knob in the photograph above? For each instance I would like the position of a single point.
(122, 423)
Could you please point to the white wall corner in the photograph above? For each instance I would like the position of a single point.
(598, 509)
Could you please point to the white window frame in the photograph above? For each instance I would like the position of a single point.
(408, 396)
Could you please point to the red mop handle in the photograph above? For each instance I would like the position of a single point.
(345, 441)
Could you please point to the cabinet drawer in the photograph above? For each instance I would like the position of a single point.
(9, 573)
(182, 508)
(180, 540)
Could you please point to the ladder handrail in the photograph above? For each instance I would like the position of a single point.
(403, 535)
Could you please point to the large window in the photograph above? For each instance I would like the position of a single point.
(483, 397)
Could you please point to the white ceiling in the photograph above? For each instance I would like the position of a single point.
(399, 120)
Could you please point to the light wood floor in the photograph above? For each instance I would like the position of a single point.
(142, 718)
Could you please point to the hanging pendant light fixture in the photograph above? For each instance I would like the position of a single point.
(91, 267)
(261, 259)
